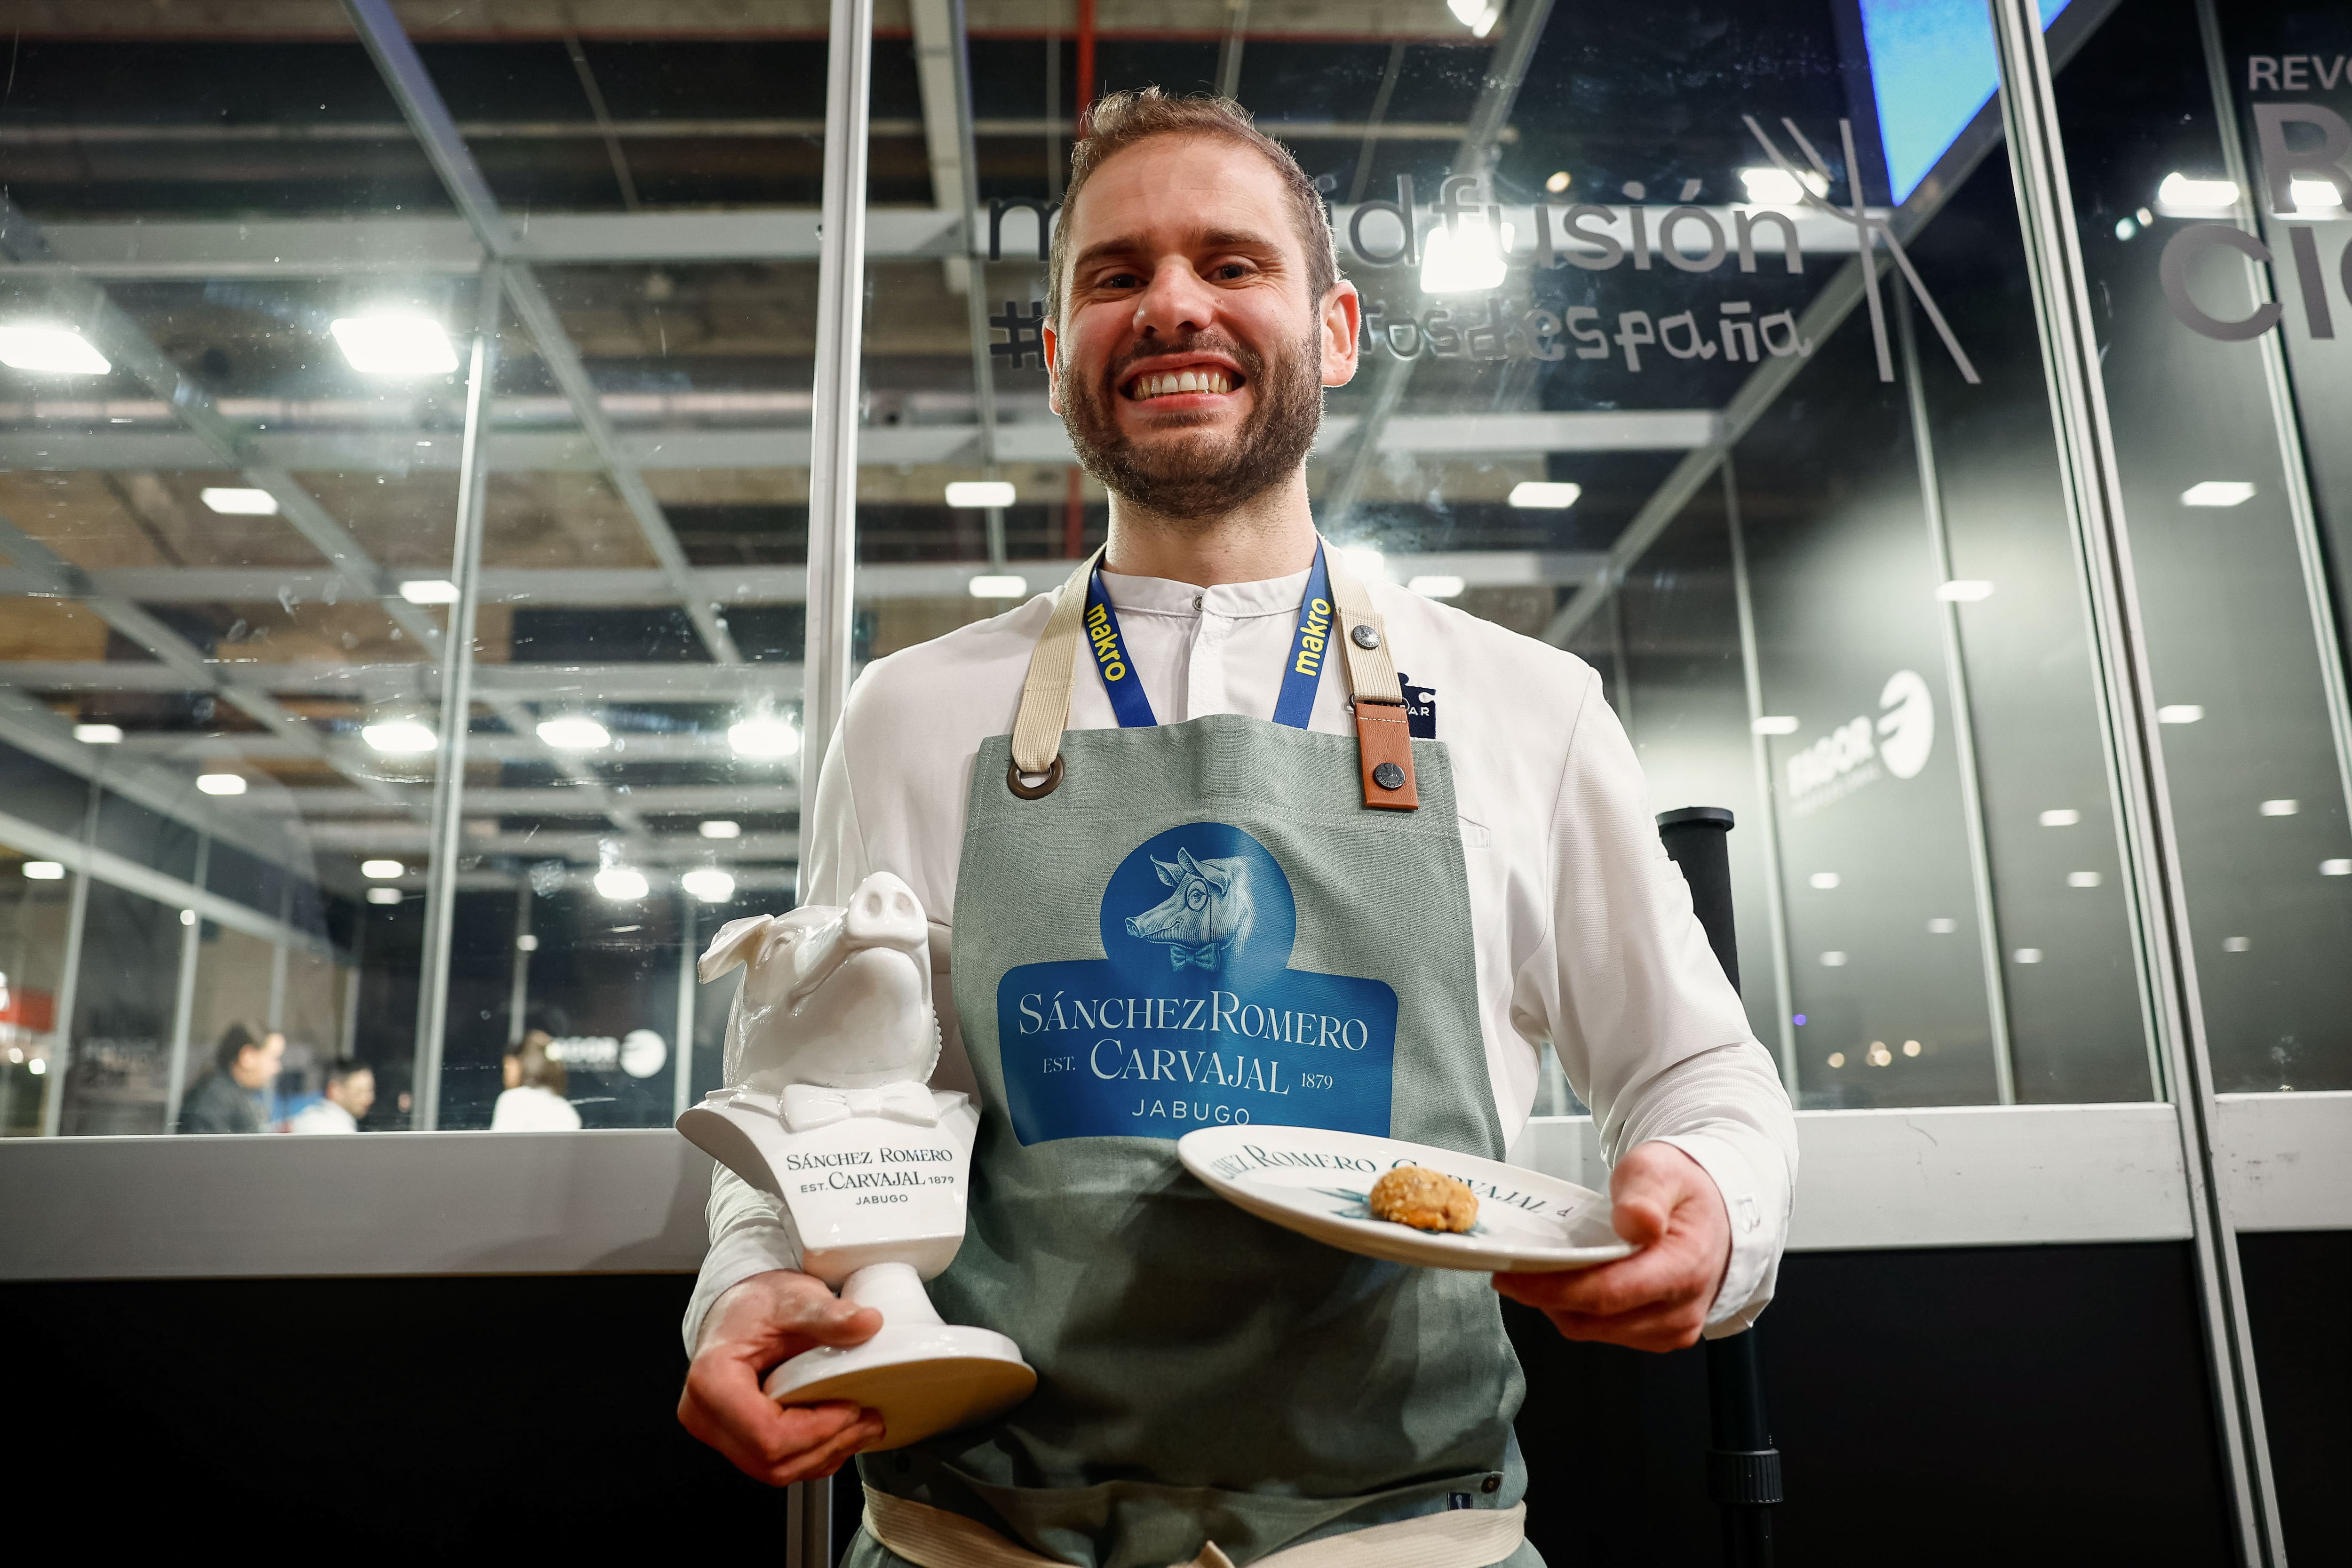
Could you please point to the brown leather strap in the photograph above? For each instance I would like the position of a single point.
(1385, 747)
(1384, 740)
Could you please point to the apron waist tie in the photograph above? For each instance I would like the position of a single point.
(1459, 1538)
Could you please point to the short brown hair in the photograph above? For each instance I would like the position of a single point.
(540, 1068)
(1121, 120)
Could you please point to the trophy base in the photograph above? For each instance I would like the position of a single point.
(923, 1378)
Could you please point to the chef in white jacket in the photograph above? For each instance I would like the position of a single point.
(1196, 313)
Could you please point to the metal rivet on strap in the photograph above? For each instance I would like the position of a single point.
(1492, 1484)
(1366, 637)
(1388, 776)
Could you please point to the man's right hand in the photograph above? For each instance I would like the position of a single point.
(756, 1324)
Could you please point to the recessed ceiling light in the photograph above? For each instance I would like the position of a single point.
(1824, 880)
(2179, 713)
(2027, 955)
(394, 342)
(1544, 493)
(620, 883)
(575, 732)
(998, 586)
(722, 829)
(2218, 492)
(709, 884)
(2064, 816)
(1769, 187)
(400, 737)
(1964, 590)
(98, 734)
(2314, 196)
(231, 501)
(44, 871)
(221, 783)
(2179, 196)
(1561, 180)
(1942, 925)
(384, 895)
(2082, 878)
(429, 591)
(2335, 868)
(980, 493)
(1437, 586)
(382, 871)
(1773, 724)
(1833, 960)
(54, 351)
(2279, 807)
(763, 737)
(1466, 260)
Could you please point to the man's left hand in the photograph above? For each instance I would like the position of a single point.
(1657, 1300)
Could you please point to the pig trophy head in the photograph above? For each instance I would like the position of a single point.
(839, 997)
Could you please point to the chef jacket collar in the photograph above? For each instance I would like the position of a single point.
(1233, 601)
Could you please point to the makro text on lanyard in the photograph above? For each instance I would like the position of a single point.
(1308, 645)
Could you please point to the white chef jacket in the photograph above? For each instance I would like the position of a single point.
(322, 1116)
(1583, 928)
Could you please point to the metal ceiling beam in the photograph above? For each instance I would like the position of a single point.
(1522, 28)
(728, 800)
(755, 448)
(308, 247)
(420, 102)
(573, 586)
(180, 656)
(541, 683)
(390, 839)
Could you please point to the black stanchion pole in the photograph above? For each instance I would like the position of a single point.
(1743, 1467)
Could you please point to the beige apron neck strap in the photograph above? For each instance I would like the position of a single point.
(1371, 671)
(1053, 666)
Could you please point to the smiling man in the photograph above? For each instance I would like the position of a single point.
(1192, 773)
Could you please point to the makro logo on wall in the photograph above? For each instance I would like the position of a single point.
(1862, 751)
(2283, 166)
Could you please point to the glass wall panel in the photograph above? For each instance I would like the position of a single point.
(2206, 149)
(1624, 388)
(240, 318)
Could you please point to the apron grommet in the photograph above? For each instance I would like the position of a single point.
(1491, 1485)
(1388, 776)
(1036, 791)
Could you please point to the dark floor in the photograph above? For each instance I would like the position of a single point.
(2010, 1405)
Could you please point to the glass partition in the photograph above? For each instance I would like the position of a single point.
(253, 346)
(2206, 149)
(1704, 345)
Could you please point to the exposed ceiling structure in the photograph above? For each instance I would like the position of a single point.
(204, 190)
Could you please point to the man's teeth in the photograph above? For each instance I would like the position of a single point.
(1175, 381)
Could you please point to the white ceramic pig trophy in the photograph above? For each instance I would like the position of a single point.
(829, 1047)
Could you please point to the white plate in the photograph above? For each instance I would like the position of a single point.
(1313, 1182)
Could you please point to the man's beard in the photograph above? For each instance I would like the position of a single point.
(1202, 478)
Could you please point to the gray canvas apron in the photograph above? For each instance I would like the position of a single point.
(1202, 924)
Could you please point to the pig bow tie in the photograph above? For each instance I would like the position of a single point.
(807, 1107)
(1203, 957)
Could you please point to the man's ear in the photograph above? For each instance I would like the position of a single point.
(1052, 341)
(1343, 325)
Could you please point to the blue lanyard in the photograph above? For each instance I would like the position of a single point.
(1308, 644)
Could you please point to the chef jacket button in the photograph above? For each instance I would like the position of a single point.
(1491, 1485)
(1388, 776)
(1196, 600)
(1366, 637)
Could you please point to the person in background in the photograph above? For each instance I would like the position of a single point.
(223, 1100)
(351, 1090)
(533, 1100)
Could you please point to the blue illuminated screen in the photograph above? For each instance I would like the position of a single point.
(1932, 66)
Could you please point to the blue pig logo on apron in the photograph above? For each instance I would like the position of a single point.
(1210, 909)
(1193, 1017)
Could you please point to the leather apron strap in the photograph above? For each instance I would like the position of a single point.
(1384, 738)
(1460, 1538)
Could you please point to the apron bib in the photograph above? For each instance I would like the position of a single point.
(1204, 925)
